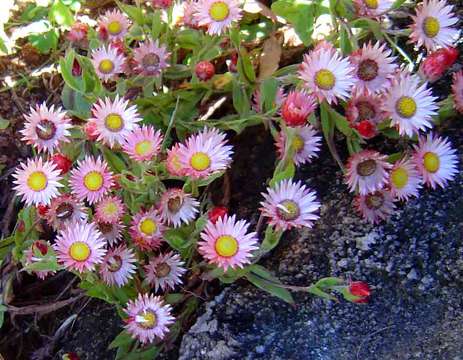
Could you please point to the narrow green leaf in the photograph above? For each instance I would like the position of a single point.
(271, 288)
(114, 161)
(271, 239)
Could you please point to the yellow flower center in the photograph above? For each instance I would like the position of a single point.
(219, 11)
(106, 66)
(200, 161)
(93, 181)
(114, 122)
(37, 181)
(325, 79)
(431, 162)
(148, 227)
(366, 167)
(371, 4)
(79, 251)
(406, 107)
(143, 147)
(115, 27)
(226, 246)
(147, 319)
(111, 209)
(288, 210)
(399, 177)
(431, 26)
(298, 143)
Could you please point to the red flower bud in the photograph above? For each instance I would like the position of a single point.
(42, 210)
(216, 213)
(21, 226)
(366, 129)
(103, 33)
(118, 45)
(76, 68)
(71, 356)
(40, 246)
(233, 63)
(90, 131)
(437, 63)
(360, 289)
(161, 4)
(204, 70)
(62, 163)
(297, 107)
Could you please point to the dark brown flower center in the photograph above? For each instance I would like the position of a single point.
(114, 263)
(366, 167)
(366, 110)
(150, 60)
(162, 270)
(374, 201)
(64, 211)
(174, 204)
(105, 228)
(367, 70)
(45, 129)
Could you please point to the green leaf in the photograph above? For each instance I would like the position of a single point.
(173, 298)
(149, 353)
(4, 123)
(3, 309)
(328, 282)
(327, 122)
(287, 173)
(341, 122)
(45, 42)
(391, 133)
(245, 66)
(271, 288)
(320, 293)
(369, 24)
(177, 238)
(75, 102)
(268, 92)
(60, 14)
(134, 12)
(240, 98)
(123, 339)
(114, 161)
(157, 25)
(271, 239)
(345, 42)
(65, 65)
(189, 39)
(394, 157)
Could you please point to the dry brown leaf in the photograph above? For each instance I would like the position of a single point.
(270, 57)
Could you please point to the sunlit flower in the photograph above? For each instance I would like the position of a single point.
(114, 120)
(143, 143)
(107, 63)
(178, 207)
(277, 102)
(46, 127)
(148, 318)
(111, 232)
(372, 8)
(305, 144)
(41, 247)
(92, 180)
(327, 75)
(365, 107)
(37, 182)
(217, 15)
(204, 154)
(367, 171)
(65, 210)
(410, 105)
(173, 164)
(433, 25)
(436, 160)
(165, 271)
(150, 58)
(297, 107)
(375, 206)
(109, 210)
(404, 180)
(227, 243)
(115, 23)
(373, 67)
(118, 266)
(457, 90)
(80, 247)
(189, 10)
(147, 229)
(290, 205)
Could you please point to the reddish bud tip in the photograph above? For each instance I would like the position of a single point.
(359, 288)
(90, 131)
(118, 45)
(40, 246)
(216, 213)
(21, 226)
(62, 163)
(103, 33)
(204, 70)
(161, 4)
(437, 63)
(42, 210)
(366, 129)
(76, 68)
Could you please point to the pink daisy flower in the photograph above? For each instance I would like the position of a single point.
(373, 8)
(290, 205)
(367, 171)
(111, 232)
(143, 143)
(46, 127)
(110, 210)
(297, 107)
(118, 266)
(433, 25)
(92, 180)
(457, 90)
(373, 67)
(257, 101)
(150, 58)
(404, 180)
(114, 120)
(189, 10)
(115, 23)
(147, 229)
(375, 206)
(363, 107)
(80, 247)
(65, 210)
(217, 15)
(227, 243)
(37, 182)
(173, 164)
(204, 154)
(42, 248)
(306, 144)
(327, 75)
(107, 62)
(436, 160)
(177, 207)
(410, 105)
(148, 318)
(165, 271)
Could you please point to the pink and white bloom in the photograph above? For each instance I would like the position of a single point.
(115, 23)
(404, 180)
(204, 154)
(375, 206)
(114, 120)
(436, 160)
(305, 144)
(457, 90)
(278, 101)
(91, 180)
(297, 107)
(189, 10)
(165, 271)
(111, 232)
(108, 63)
(217, 15)
(110, 209)
(150, 58)
(433, 25)
(373, 67)
(80, 247)
(147, 229)
(177, 207)
(148, 318)
(227, 243)
(143, 143)
(41, 248)
(373, 8)
(328, 75)
(118, 266)
(46, 127)
(410, 105)
(65, 210)
(365, 107)
(367, 171)
(290, 205)
(37, 181)
(173, 164)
